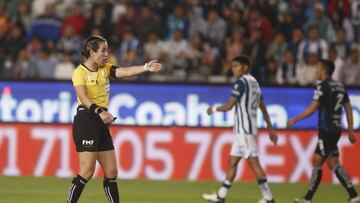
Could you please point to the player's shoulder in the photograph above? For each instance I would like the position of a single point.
(80, 69)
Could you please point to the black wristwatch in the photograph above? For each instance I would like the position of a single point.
(99, 110)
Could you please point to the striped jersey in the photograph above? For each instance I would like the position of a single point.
(246, 91)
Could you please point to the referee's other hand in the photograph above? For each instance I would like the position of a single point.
(352, 138)
(106, 117)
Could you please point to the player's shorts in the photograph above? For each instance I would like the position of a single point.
(327, 144)
(244, 146)
(90, 133)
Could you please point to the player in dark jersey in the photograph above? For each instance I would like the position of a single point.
(329, 98)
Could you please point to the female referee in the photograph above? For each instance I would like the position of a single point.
(90, 128)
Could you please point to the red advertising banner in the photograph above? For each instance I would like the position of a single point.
(166, 153)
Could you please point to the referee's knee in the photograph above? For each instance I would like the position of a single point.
(87, 172)
(111, 173)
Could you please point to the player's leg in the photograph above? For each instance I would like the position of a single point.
(261, 179)
(230, 176)
(237, 151)
(86, 171)
(315, 179)
(344, 178)
(107, 160)
(226, 185)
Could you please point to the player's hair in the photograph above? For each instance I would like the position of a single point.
(243, 59)
(328, 65)
(91, 44)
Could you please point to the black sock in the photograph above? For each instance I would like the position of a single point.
(111, 190)
(345, 180)
(314, 182)
(76, 187)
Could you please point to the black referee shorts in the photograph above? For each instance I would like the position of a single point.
(90, 133)
(327, 144)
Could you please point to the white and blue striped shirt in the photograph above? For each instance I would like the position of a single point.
(246, 91)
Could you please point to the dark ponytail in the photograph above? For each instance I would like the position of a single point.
(91, 44)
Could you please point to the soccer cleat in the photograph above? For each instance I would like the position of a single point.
(301, 200)
(355, 200)
(213, 198)
(266, 201)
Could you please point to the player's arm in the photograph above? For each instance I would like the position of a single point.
(225, 107)
(308, 111)
(273, 136)
(81, 93)
(151, 66)
(349, 118)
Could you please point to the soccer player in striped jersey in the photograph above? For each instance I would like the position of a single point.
(246, 97)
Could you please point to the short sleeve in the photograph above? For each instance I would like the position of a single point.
(108, 67)
(319, 92)
(238, 89)
(78, 77)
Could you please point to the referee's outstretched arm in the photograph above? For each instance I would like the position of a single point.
(151, 66)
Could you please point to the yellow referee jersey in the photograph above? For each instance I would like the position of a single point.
(96, 83)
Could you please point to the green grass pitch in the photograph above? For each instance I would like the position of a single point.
(53, 190)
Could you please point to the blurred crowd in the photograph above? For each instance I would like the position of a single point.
(194, 39)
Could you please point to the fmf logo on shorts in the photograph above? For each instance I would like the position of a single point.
(88, 142)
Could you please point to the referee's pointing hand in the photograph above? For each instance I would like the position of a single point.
(153, 66)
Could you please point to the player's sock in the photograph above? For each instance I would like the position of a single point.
(314, 182)
(111, 190)
(345, 180)
(265, 189)
(224, 189)
(76, 187)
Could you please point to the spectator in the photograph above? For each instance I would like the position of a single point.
(47, 25)
(236, 23)
(234, 45)
(177, 21)
(196, 24)
(176, 49)
(287, 72)
(25, 66)
(307, 72)
(98, 20)
(153, 47)
(271, 72)
(70, 43)
(129, 21)
(341, 22)
(259, 22)
(341, 46)
(119, 9)
(355, 11)
(350, 71)
(322, 22)
(338, 62)
(4, 20)
(23, 17)
(194, 55)
(129, 43)
(215, 29)
(65, 68)
(14, 42)
(277, 48)
(45, 64)
(286, 25)
(75, 19)
(255, 49)
(150, 22)
(297, 36)
(340, 6)
(312, 44)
